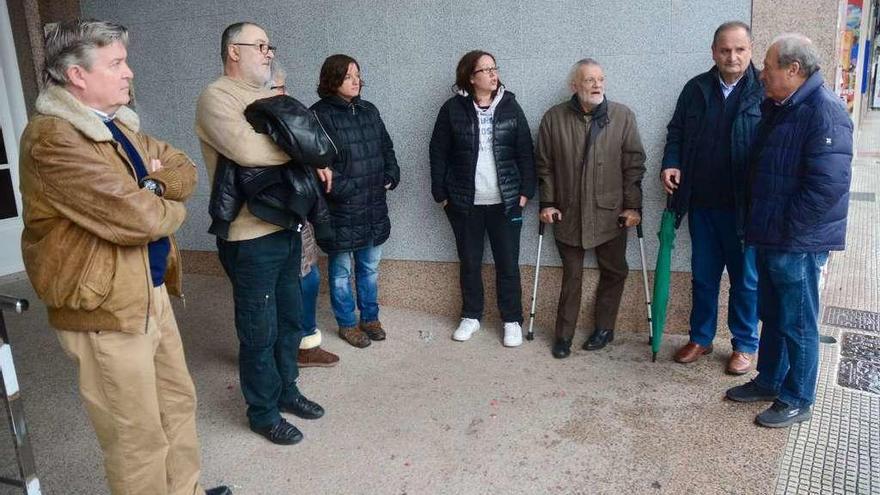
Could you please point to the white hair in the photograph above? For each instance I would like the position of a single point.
(795, 47)
(584, 62)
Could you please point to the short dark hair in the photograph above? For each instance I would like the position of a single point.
(465, 70)
(729, 26)
(333, 72)
(229, 35)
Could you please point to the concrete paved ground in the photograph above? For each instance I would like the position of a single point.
(420, 413)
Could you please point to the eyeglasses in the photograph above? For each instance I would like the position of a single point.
(594, 82)
(263, 47)
(487, 71)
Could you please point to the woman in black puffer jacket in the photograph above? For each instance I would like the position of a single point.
(364, 170)
(482, 173)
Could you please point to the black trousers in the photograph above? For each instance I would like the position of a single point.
(470, 228)
(268, 304)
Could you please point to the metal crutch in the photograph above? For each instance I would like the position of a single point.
(11, 396)
(530, 335)
(645, 281)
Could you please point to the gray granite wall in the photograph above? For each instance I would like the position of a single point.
(408, 52)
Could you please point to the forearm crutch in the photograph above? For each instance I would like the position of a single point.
(9, 392)
(645, 282)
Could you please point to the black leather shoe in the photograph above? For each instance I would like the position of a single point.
(220, 490)
(561, 348)
(303, 408)
(599, 339)
(281, 433)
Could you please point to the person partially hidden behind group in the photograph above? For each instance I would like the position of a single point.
(310, 352)
(484, 125)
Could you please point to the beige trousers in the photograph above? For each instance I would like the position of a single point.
(141, 401)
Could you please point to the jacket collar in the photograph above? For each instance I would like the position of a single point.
(809, 86)
(56, 101)
(338, 101)
(752, 87)
(468, 99)
(599, 114)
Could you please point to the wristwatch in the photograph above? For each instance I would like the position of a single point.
(152, 185)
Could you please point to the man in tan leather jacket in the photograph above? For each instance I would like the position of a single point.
(590, 164)
(101, 203)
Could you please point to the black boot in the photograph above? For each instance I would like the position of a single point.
(599, 339)
(561, 348)
(220, 490)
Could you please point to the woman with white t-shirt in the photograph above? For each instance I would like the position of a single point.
(483, 173)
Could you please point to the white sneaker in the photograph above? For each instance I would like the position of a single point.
(465, 329)
(512, 334)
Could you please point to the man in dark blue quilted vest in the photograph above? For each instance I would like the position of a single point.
(799, 194)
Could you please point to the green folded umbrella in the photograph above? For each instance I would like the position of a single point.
(661, 276)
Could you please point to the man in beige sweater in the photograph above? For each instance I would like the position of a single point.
(262, 260)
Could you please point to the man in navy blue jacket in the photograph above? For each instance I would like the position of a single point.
(799, 194)
(705, 165)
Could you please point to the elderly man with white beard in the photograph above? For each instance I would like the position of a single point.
(590, 164)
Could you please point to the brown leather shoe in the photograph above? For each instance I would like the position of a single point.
(373, 329)
(740, 363)
(316, 357)
(691, 352)
(355, 336)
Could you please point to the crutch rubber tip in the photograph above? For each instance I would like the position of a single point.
(530, 336)
(650, 340)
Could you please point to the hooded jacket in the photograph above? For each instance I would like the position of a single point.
(455, 146)
(87, 223)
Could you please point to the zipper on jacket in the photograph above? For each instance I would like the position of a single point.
(321, 124)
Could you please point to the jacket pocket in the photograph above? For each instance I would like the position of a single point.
(609, 200)
(97, 278)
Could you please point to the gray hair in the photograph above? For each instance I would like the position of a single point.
(795, 47)
(730, 26)
(230, 35)
(73, 42)
(584, 62)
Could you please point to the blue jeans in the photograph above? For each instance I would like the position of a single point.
(366, 273)
(265, 290)
(714, 245)
(788, 359)
(310, 284)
